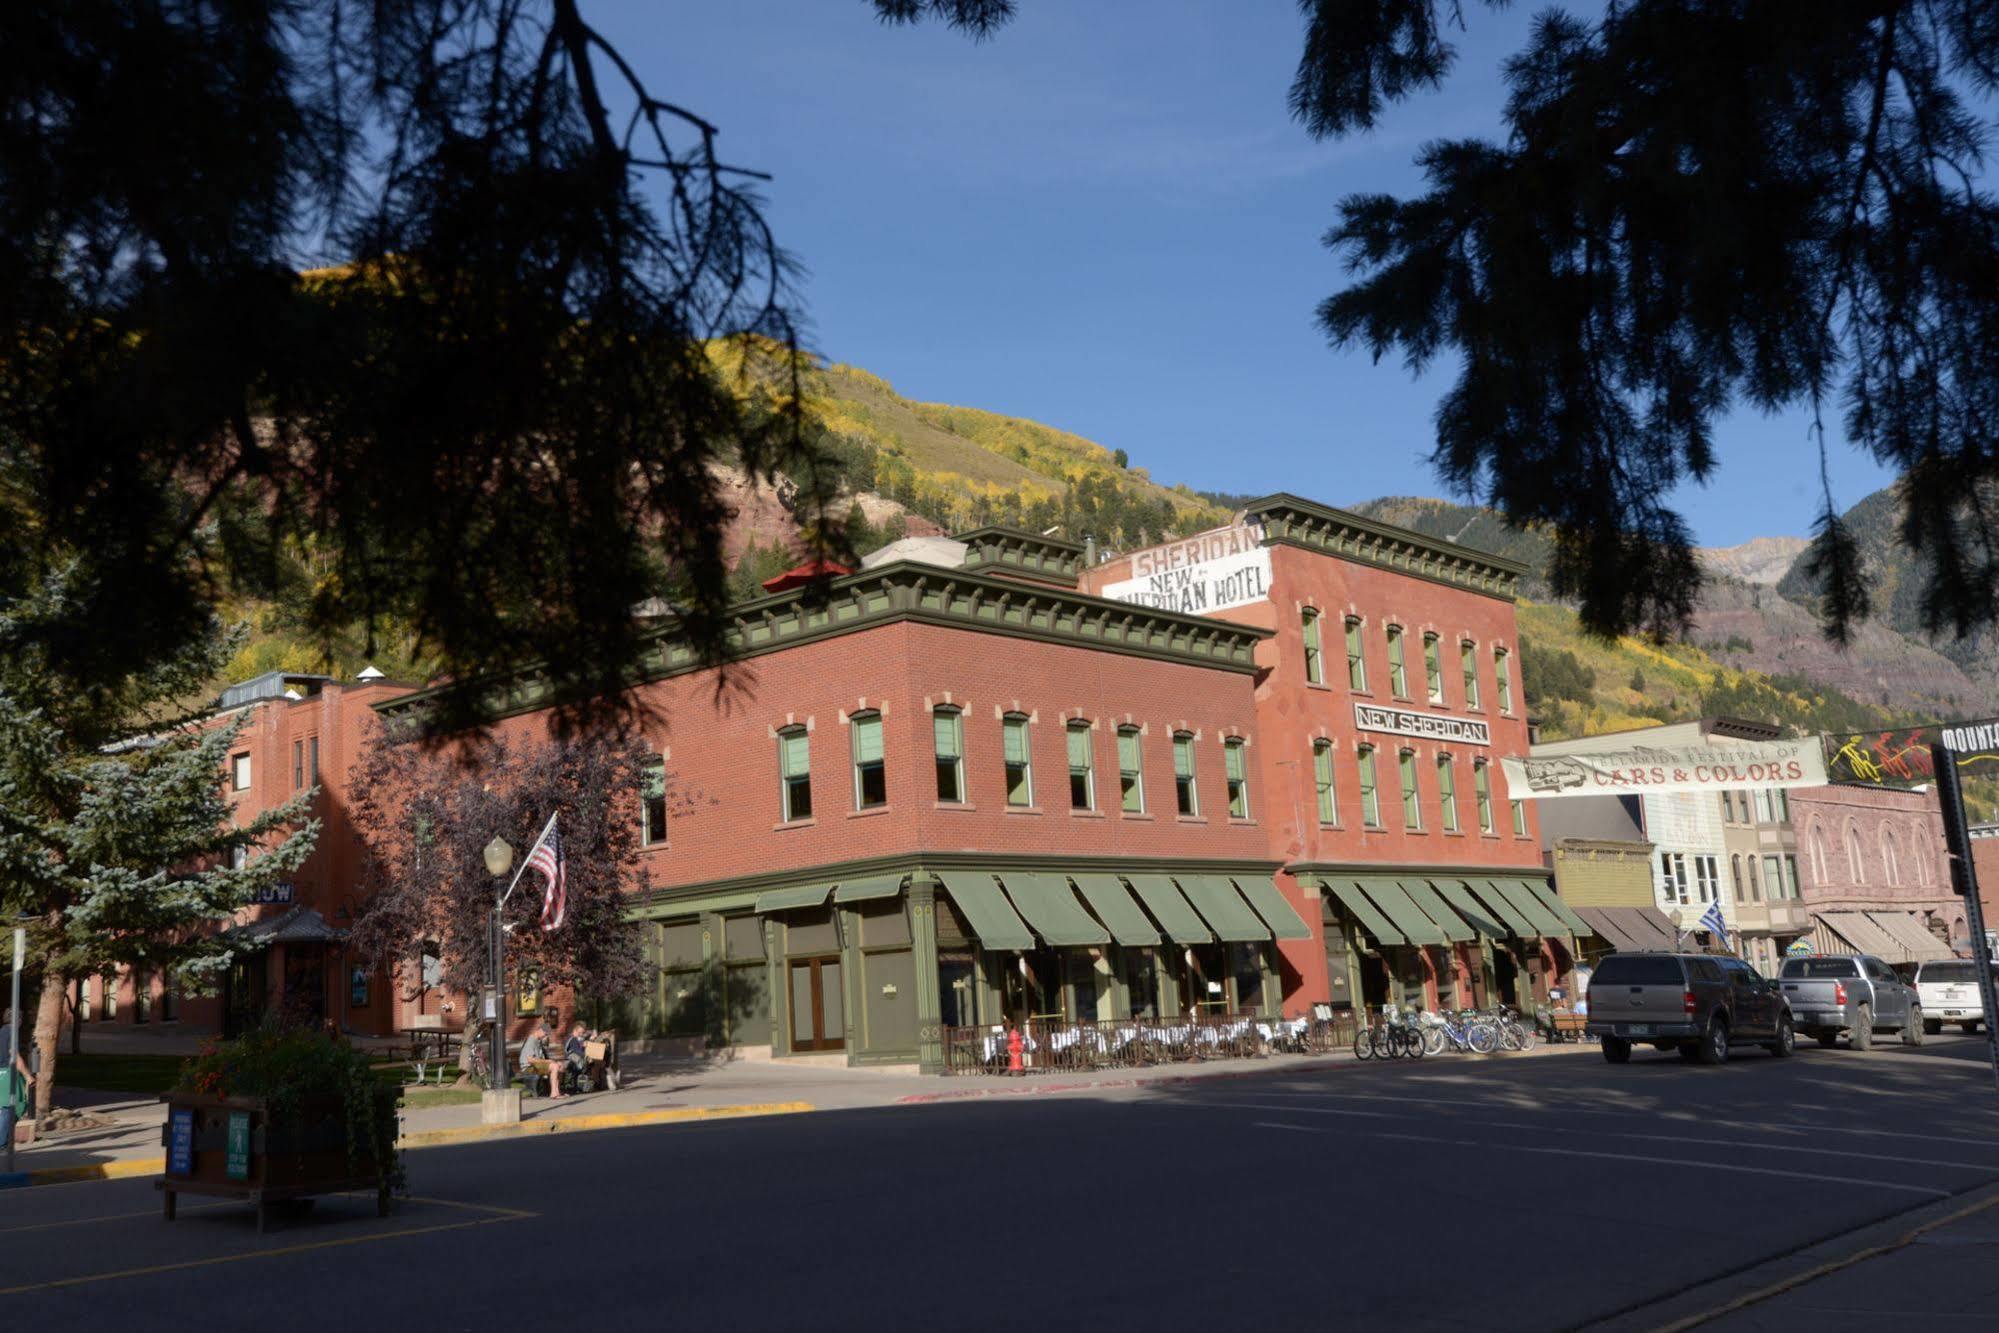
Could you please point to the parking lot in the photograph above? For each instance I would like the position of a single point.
(1548, 1191)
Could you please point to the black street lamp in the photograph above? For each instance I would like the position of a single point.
(499, 857)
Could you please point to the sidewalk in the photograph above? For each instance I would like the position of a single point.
(657, 1091)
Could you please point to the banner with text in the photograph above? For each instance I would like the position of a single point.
(1200, 588)
(1663, 769)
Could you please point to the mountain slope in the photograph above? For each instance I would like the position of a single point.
(1758, 560)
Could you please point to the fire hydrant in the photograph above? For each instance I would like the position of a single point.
(1013, 1048)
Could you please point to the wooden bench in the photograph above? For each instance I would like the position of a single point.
(1569, 1025)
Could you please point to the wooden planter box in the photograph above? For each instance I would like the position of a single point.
(227, 1147)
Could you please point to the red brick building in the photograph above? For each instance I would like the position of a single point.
(1872, 871)
(979, 781)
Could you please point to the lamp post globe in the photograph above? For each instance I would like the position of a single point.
(499, 856)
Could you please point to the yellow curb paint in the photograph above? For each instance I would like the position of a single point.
(439, 1138)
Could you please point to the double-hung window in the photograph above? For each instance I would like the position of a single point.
(794, 766)
(239, 771)
(1184, 789)
(1082, 771)
(1315, 666)
(1019, 770)
(1356, 661)
(1322, 780)
(1447, 794)
(1519, 818)
(1237, 771)
(948, 726)
(870, 768)
(1468, 659)
(1502, 679)
(1481, 786)
(1130, 775)
(652, 803)
(298, 765)
(1412, 800)
(1433, 668)
(1398, 670)
(1370, 798)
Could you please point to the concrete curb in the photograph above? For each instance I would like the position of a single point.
(127, 1167)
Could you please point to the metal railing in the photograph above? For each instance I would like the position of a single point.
(1054, 1045)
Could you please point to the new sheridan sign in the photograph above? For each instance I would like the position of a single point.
(1232, 571)
(1426, 726)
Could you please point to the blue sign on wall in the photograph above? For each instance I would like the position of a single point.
(180, 1142)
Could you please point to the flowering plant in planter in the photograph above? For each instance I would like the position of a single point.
(294, 1070)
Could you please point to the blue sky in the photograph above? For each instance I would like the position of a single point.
(1105, 220)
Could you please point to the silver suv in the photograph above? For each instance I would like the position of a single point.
(1701, 1004)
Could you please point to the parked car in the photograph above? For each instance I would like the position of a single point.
(1857, 994)
(1948, 991)
(1700, 1004)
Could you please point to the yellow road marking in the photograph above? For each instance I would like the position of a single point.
(154, 1211)
(85, 1279)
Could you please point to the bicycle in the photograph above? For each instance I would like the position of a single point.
(1470, 1032)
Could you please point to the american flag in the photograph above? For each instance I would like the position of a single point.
(546, 860)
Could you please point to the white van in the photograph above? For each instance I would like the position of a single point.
(1949, 991)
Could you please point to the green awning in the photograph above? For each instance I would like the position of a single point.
(1403, 911)
(1427, 898)
(1476, 914)
(780, 900)
(986, 910)
(1516, 922)
(1114, 906)
(1549, 923)
(1223, 908)
(1050, 906)
(1271, 904)
(1363, 911)
(1169, 908)
(856, 890)
(1544, 893)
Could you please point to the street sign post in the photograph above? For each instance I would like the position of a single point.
(1963, 878)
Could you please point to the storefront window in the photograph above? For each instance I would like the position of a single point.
(870, 769)
(1131, 777)
(949, 731)
(1322, 779)
(1019, 771)
(794, 758)
(1082, 768)
(1237, 772)
(1141, 979)
(1246, 972)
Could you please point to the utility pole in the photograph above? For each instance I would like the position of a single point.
(1957, 838)
(14, 1037)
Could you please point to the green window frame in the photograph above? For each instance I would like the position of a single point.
(1082, 767)
(1412, 796)
(1018, 758)
(1519, 818)
(1398, 668)
(1481, 785)
(1447, 794)
(1236, 769)
(652, 803)
(1370, 795)
(1322, 781)
(1130, 772)
(1433, 668)
(1356, 660)
(947, 727)
(1502, 678)
(1468, 660)
(794, 768)
(1315, 666)
(1186, 789)
(870, 762)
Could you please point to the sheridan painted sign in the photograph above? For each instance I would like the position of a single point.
(1214, 544)
(1199, 588)
(1667, 768)
(1427, 726)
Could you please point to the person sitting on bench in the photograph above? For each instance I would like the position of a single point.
(535, 1058)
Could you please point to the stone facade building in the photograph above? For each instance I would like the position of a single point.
(1872, 871)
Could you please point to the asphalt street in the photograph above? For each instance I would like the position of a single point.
(1537, 1193)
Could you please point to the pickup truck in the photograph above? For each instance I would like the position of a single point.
(1700, 1004)
(1948, 990)
(1857, 994)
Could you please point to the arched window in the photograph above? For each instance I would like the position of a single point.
(1735, 871)
(1856, 868)
(1889, 861)
(1818, 854)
